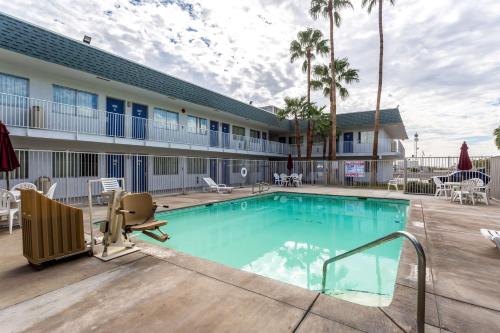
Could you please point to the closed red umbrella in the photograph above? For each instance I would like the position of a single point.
(8, 158)
(289, 164)
(464, 162)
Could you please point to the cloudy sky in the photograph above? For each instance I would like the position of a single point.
(442, 58)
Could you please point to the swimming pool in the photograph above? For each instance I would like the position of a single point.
(288, 236)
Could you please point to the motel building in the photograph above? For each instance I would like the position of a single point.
(76, 112)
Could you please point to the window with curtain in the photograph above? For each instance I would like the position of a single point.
(166, 165)
(254, 134)
(196, 166)
(166, 119)
(238, 131)
(15, 90)
(365, 137)
(74, 102)
(74, 165)
(197, 125)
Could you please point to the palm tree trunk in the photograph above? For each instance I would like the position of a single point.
(379, 94)
(324, 147)
(297, 136)
(309, 121)
(333, 91)
(379, 91)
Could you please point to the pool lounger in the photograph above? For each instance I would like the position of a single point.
(213, 186)
(492, 235)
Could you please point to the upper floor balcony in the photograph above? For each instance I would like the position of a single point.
(40, 118)
(386, 147)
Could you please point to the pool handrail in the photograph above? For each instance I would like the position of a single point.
(421, 268)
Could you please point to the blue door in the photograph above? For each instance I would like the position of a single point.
(348, 142)
(139, 173)
(213, 170)
(114, 168)
(214, 133)
(225, 135)
(115, 117)
(264, 141)
(139, 116)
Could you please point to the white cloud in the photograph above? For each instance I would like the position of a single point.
(441, 58)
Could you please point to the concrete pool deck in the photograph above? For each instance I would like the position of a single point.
(159, 289)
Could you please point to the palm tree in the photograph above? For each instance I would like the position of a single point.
(294, 108)
(496, 133)
(371, 4)
(323, 81)
(308, 44)
(345, 75)
(331, 9)
(322, 129)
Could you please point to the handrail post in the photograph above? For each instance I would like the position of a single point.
(421, 269)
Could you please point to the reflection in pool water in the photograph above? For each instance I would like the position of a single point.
(288, 237)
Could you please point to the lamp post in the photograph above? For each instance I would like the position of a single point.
(416, 144)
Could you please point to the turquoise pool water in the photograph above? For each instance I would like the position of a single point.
(288, 237)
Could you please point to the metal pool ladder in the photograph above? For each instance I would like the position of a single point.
(421, 268)
(262, 187)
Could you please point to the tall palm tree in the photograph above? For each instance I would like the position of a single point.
(323, 81)
(370, 4)
(331, 9)
(294, 108)
(308, 44)
(345, 75)
(496, 133)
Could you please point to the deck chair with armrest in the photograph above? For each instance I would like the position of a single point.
(138, 210)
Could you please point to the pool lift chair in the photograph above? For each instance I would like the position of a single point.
(127, 212)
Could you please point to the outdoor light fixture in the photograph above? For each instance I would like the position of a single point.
(416, 144)
(87, 39)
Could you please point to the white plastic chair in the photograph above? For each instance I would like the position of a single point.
(284, 180)
(465, 192)
(480, 191)
(6, 199)
(23, 186)
(441, 187)
(298, 180)
(395, 182)
(277, 180)
(50, 192)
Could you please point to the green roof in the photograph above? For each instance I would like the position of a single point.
(25, 38)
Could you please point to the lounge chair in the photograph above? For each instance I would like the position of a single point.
(138, 211)
(214, 187)
(492, 235)
(108, 186)
(50, 192)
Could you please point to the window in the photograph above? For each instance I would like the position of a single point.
(22, 171)
(196, 166)
(13, 85)
(197, 125)
(74, 102)
(365, 137)
(165, 165)
(237, 165)
(291, 140)
(74, 165)
(254, 134)
(238, 131)
(166, 119)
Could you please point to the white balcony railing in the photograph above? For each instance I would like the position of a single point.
(353, 148)
(19, 111)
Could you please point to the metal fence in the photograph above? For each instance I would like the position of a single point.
(166, 175)
(495, 177)
(159, 175)
(414, 175)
